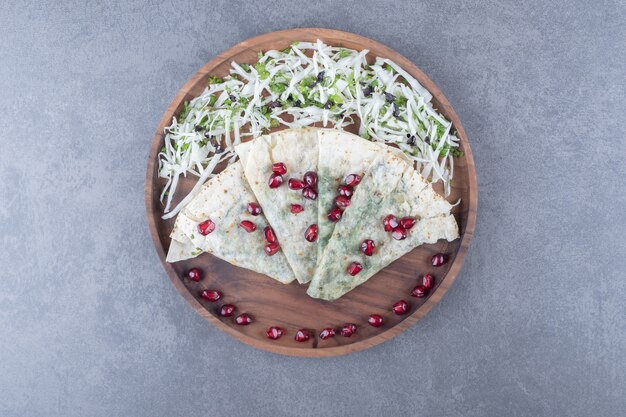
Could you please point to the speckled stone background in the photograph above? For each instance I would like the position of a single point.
(535, 324)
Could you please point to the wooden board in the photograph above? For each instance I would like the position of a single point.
(288, 306)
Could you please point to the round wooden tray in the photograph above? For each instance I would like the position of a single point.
(288, 306)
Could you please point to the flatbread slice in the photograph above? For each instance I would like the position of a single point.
(224, 200)
(298, 150)
(341, 154)
(391, 186)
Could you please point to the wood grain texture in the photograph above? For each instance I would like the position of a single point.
(288, 306)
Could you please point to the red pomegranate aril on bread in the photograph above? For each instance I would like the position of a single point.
(390, 222)
(407, 222)
(270, 236)
(368, 246)
(352, 180)
(309, 192)
(335, 214)
(295, 184)
(342, 202)
(279, 168)
(345, 191)
(354, 268)
(248, 226)
(398, 233)
(296, 208)
(206, 227)
(254, 209)
(272, 248)
(275, 180)
(311, 233)
(310, 178)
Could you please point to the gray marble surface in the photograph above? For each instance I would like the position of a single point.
(534, 325)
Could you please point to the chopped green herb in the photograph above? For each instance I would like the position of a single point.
(278, 88)
(215, 80)
(260, 54)
(335, 98)
(456, 152)
(184, 112)
(400, 101)
(344, 53)
(263, 72)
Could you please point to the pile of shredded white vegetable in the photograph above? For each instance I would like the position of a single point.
(290, 88)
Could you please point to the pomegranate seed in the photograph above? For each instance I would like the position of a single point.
(407, 222)
(211, 295)
(279, 168)
(335, 214)
(310, 178)
(401, 307)
(309, 193)
(375, 320)
(439, 259)
(367, 247)
(398, 233)
(390, 222)
(296, 208)
(311, 233)
(269, 234)
(274, 333)
(352, 180)
(419, 291)
(275, 180)
(354, 268)
(345, 191)
(206, 227)
(248, 226)
(302, 335)
(428, 281)
(194, 274)
(327, 333)
(295, 184)
(342, 202)
(272, 248)
(348, 330)
(227, 310)
(254, 209)
(243, 319)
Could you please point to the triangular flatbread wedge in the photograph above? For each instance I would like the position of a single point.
(298, 150)
(391, 186)
(224, 200)
(341, 154)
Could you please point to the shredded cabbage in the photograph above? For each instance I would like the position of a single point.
(308, 83)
